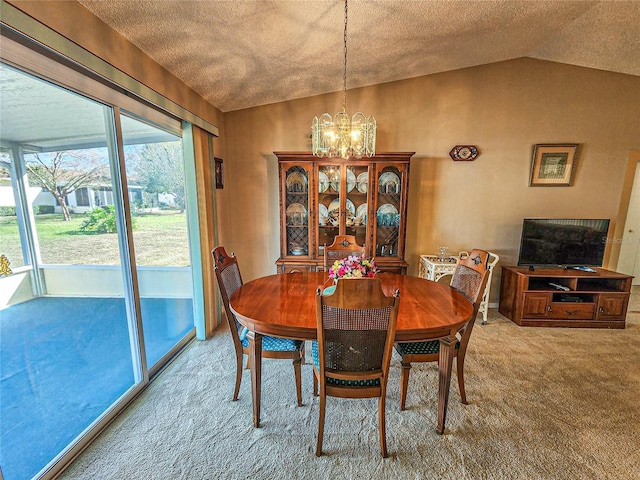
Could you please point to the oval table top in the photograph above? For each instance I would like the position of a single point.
(283, 305)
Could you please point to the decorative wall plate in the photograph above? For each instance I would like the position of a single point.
(464, 153)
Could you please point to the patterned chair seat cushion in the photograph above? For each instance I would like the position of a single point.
(340, 383)
(273, 344)
(420, 348)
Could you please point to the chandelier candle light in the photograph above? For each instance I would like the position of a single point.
(342, 135)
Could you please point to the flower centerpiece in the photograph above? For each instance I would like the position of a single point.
(353, 267)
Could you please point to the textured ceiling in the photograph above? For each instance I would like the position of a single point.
(243, 53)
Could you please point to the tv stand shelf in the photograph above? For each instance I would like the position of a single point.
(558, 297)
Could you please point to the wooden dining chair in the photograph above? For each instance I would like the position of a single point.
(342, 246)
(484, 303)
(469, 278)
(356, 327)
(229, 280)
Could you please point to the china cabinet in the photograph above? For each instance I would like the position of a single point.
(324, 197)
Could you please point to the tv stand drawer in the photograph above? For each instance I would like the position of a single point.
(571, 311)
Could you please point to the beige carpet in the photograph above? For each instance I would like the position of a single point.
(545, 404)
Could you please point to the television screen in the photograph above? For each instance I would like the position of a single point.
(563, 242)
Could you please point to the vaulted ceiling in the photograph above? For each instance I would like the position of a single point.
(244, 53)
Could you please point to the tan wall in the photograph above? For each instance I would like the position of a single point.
(503, 108)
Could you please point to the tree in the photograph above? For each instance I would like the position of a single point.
(159, 168)
(5, 163)
(62, 173)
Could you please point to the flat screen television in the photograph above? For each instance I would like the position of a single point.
(565, 242)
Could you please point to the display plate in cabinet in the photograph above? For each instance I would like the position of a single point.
(361, 214)
(335, 206)
(323, 214)
(351, 180)
(323, 182)
(362, 182)
(296, 183)
(386, 215)
(389, 183)
(296, 214)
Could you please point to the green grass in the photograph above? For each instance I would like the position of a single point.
(159, 240)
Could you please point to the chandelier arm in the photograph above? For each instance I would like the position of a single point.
(342, 135)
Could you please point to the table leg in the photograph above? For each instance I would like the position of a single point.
(255, 361)
(445, 362)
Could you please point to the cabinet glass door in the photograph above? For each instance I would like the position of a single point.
(328, 205)
(388, 211)
(297, 211)
(357, 210)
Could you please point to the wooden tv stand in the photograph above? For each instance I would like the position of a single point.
(581, 299)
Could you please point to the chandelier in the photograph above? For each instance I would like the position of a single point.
(344, 136)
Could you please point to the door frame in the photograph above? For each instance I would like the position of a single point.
(633, 163)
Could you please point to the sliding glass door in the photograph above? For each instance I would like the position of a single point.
(157, 196)
(98, 289)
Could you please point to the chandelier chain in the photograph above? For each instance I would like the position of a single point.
(344, 77)
(342, 135)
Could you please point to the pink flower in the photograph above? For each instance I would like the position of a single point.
(353, 267)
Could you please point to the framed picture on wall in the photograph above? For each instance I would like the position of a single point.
(553, 165)
(219, 172)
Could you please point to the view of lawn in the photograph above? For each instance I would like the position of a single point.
(160, 239)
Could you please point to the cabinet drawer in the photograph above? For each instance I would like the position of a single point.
(389, 269)
(572, 311)
(289, 267)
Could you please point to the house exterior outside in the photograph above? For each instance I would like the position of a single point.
(84, 199)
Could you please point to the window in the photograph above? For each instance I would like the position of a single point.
(82, 197)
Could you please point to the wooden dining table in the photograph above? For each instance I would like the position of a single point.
(284, 305)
